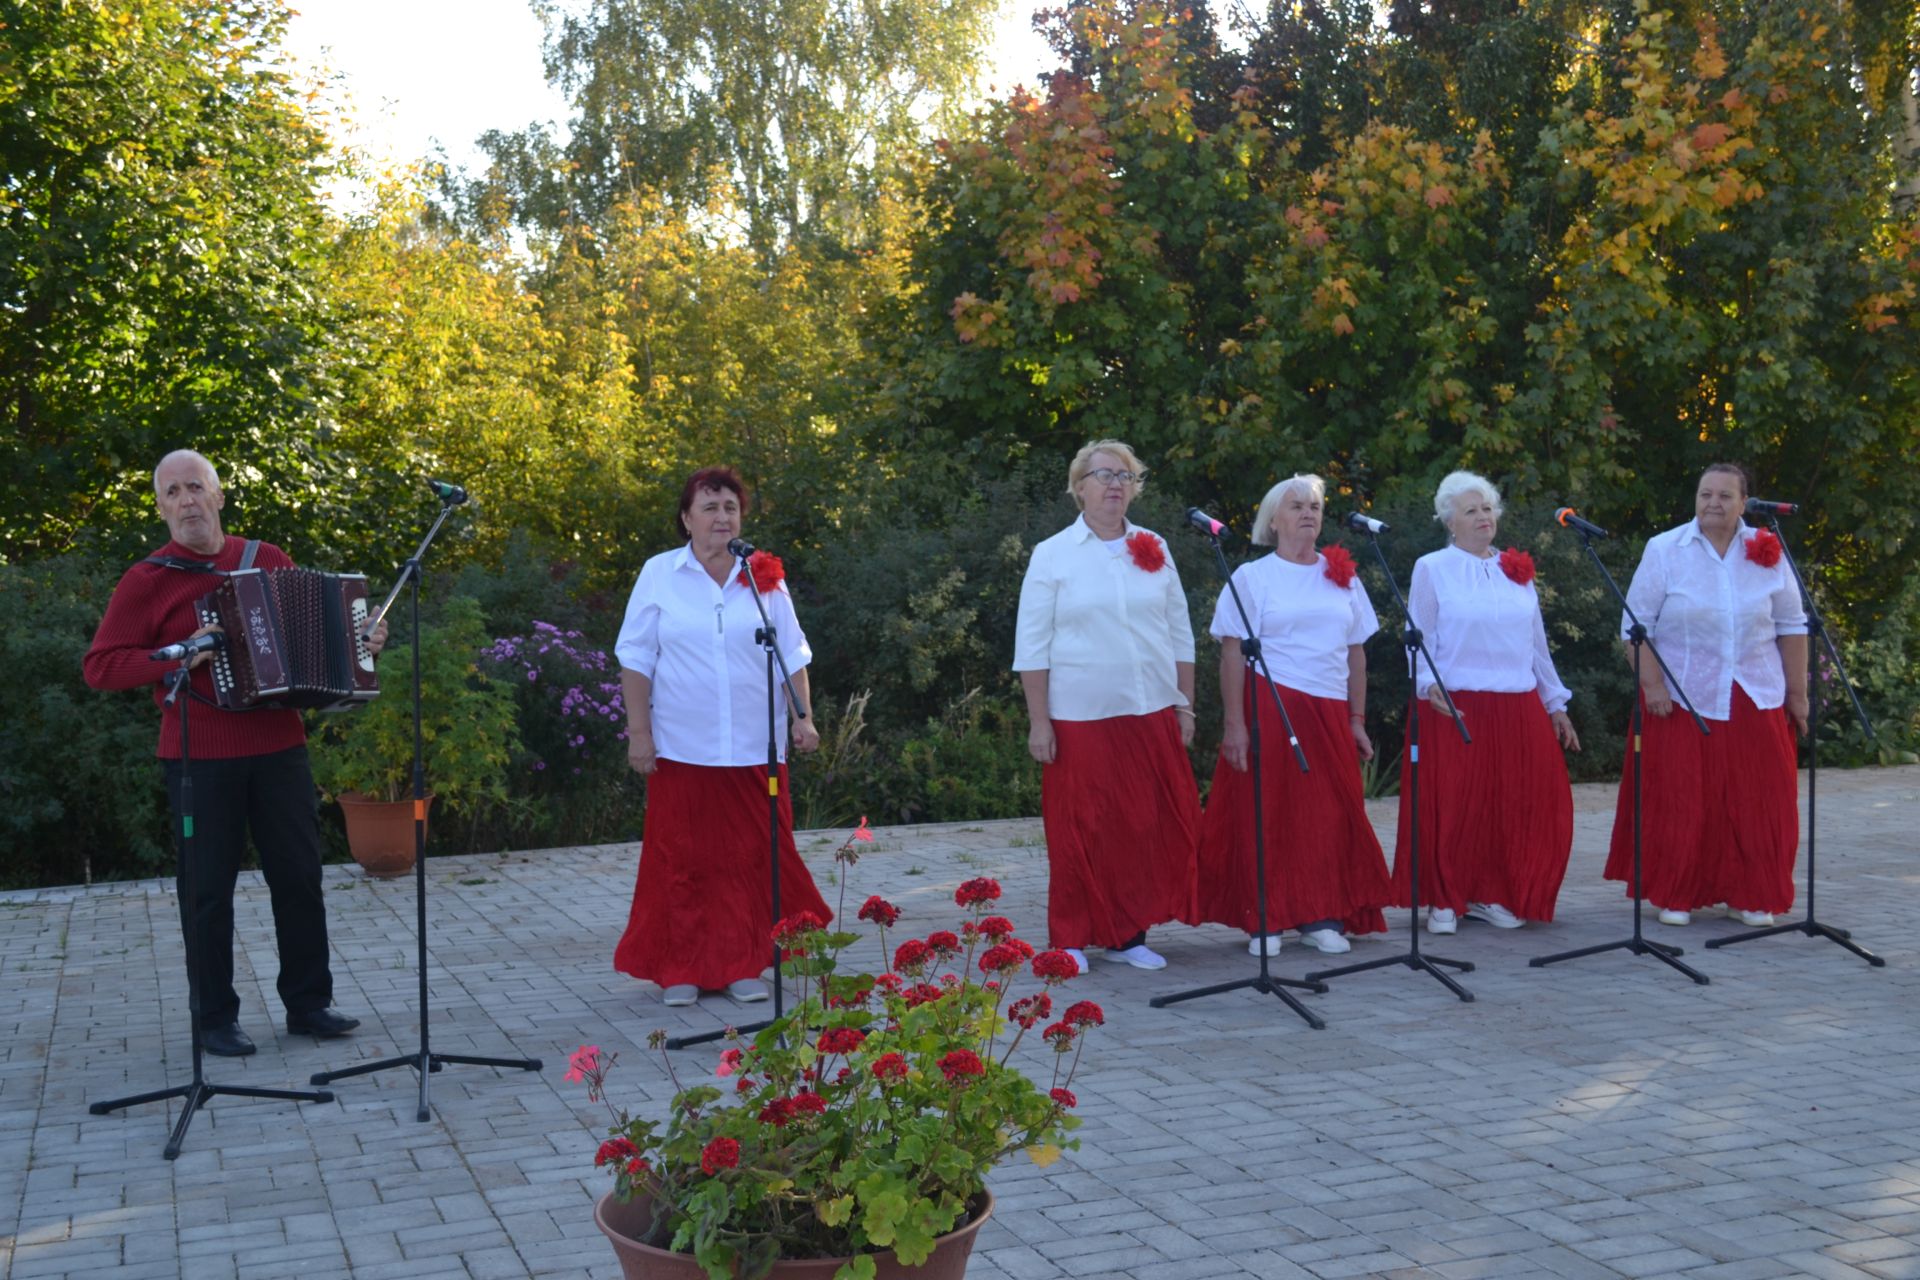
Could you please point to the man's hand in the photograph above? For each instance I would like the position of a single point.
(378, 639)
(205, 655)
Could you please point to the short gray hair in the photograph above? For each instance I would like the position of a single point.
(1270, 505)
(1456, 486)
(196, 455)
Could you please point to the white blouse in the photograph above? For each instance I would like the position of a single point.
(1106, 631)
(1305, 623)
(694, 639)
(1483, 629)
(1716, 619)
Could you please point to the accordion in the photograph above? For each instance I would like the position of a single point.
(293, 639)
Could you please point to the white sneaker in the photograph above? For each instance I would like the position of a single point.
(1442, 920)
(1140, 957)
(747, 990)
(1328, 940)
(1758, 919)
(1080, 957)
(1273, 945)
(680, 995)
(1668, 916)
(1494, 914)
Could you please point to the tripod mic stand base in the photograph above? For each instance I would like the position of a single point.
(1638, 946)
(198, 1094)
(1412, 960)
(1813, 929)
(1266, 986)
(708, 1037)
(433, 1062)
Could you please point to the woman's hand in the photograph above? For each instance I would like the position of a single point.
(1563, 730)
(1040, 743)
(640, 752)
(1233, 746)
(1659, 701)
(806, 737)
(1361, 742)
(1185, 716)
(1438, 700)
(1797, 707)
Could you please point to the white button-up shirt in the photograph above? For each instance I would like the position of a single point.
(1716, 619)
(1483, 629)
(1304, 621)
(1106, 631)
(694, 639)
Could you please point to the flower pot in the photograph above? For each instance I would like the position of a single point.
(380, 833)
(626, 1224)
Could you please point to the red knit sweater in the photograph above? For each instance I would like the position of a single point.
(153, 606)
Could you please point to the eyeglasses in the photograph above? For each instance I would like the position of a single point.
(1108, 476)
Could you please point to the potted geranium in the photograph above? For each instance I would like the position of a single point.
(852, 1137)
(364, 758)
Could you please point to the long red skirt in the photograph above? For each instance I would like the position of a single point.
(701, 910)
(1122, 815)
(1323, 860)
(1722, 817)
(1496, 814)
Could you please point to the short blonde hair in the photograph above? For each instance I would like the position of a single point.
(1083, 463)
(1270, 505)
(1458, 485)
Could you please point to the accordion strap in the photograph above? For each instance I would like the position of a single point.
(247, 555)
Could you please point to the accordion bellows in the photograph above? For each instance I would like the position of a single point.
(293, 639)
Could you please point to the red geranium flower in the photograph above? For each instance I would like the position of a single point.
(973, 892)
(614, 1149)
(729, 1062)
(1055, 966)
(1001, 959)
(878, 910)
(960, 1065)
(767, 571)
(841, 1039)
(1064, 1097)
(890, 1066)
(912, 956)
(996, 927)
(944, 943)
(1030, 1009)
(1084, 1014)
(808, 1103)
(636, 1167)
(1517, 564)
(777, 1113)
(1763, 548)
(1340, 567)
(790, 929)
(1147, 551)
(1060, 1036)
(921, 993)
(721, 1153)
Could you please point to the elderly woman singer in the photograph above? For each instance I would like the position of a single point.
(1104, 648)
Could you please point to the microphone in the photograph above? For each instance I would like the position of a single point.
(740, 548)
(187, 648)
(451, 494)
(1366, 524)
(1570, 519)
(1205, 523)
(1761, 507)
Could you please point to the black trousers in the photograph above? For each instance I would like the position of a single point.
(271, 796)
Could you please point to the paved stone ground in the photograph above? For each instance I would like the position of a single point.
(1604, 1117)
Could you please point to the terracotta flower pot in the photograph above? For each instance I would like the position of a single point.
(380, 833)
(625, 1225)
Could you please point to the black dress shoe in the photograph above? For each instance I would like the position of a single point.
(322, 1024)
(226, 1042)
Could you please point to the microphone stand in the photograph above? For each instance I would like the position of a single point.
(1263, 982)
(1637, 635)
(198, 1092)
(765, 636)
(1817, 628)
(1416, 647)
(424, 1060)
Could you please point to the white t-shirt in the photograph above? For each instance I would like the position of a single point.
(1716, 619)
(1483, 629)
(1305, 623)
(1106, 631)
(694, 638)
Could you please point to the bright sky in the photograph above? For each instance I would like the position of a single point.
(421, 73)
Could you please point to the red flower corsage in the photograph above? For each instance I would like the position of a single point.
(1340, 567)
(1147, 551)
(1517, 564)
(1763, 548)
(767, 571)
